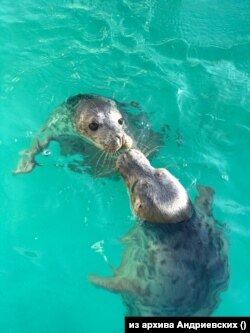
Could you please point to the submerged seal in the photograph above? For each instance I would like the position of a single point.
(168, 268)
(85, 117)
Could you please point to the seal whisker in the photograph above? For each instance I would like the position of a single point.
(117, 154)
(111, 159)
(95, 155)
(105, 173)
(106, 161)
(137, 144)
(144, 148)
(99, 159)
(139, 140)
(147, 153)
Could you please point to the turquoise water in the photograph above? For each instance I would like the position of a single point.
(187, 63)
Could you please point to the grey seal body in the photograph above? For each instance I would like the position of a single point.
(82, 119)
(155, 194)
(168, 268)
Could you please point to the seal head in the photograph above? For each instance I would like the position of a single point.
(99, 120)
(155, 194)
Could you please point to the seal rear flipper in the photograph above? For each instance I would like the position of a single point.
(114, 283)
(204, 201)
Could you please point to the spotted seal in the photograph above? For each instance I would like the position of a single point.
(155, 194)
(82, 118)
(168, 268)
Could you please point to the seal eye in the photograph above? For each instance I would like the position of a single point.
(93, 126)
(120, 121)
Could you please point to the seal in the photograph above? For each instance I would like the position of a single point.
(174, 268)
(86, 118)
(155, 194)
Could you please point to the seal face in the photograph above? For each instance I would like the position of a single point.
(155, 194)
(99, 120)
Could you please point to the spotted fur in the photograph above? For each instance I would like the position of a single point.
(168, 269)
(70, 122)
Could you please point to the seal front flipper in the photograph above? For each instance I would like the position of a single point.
(204, 201)
(116, 284)
(56, 124)
(24, 166)
(27, 161)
